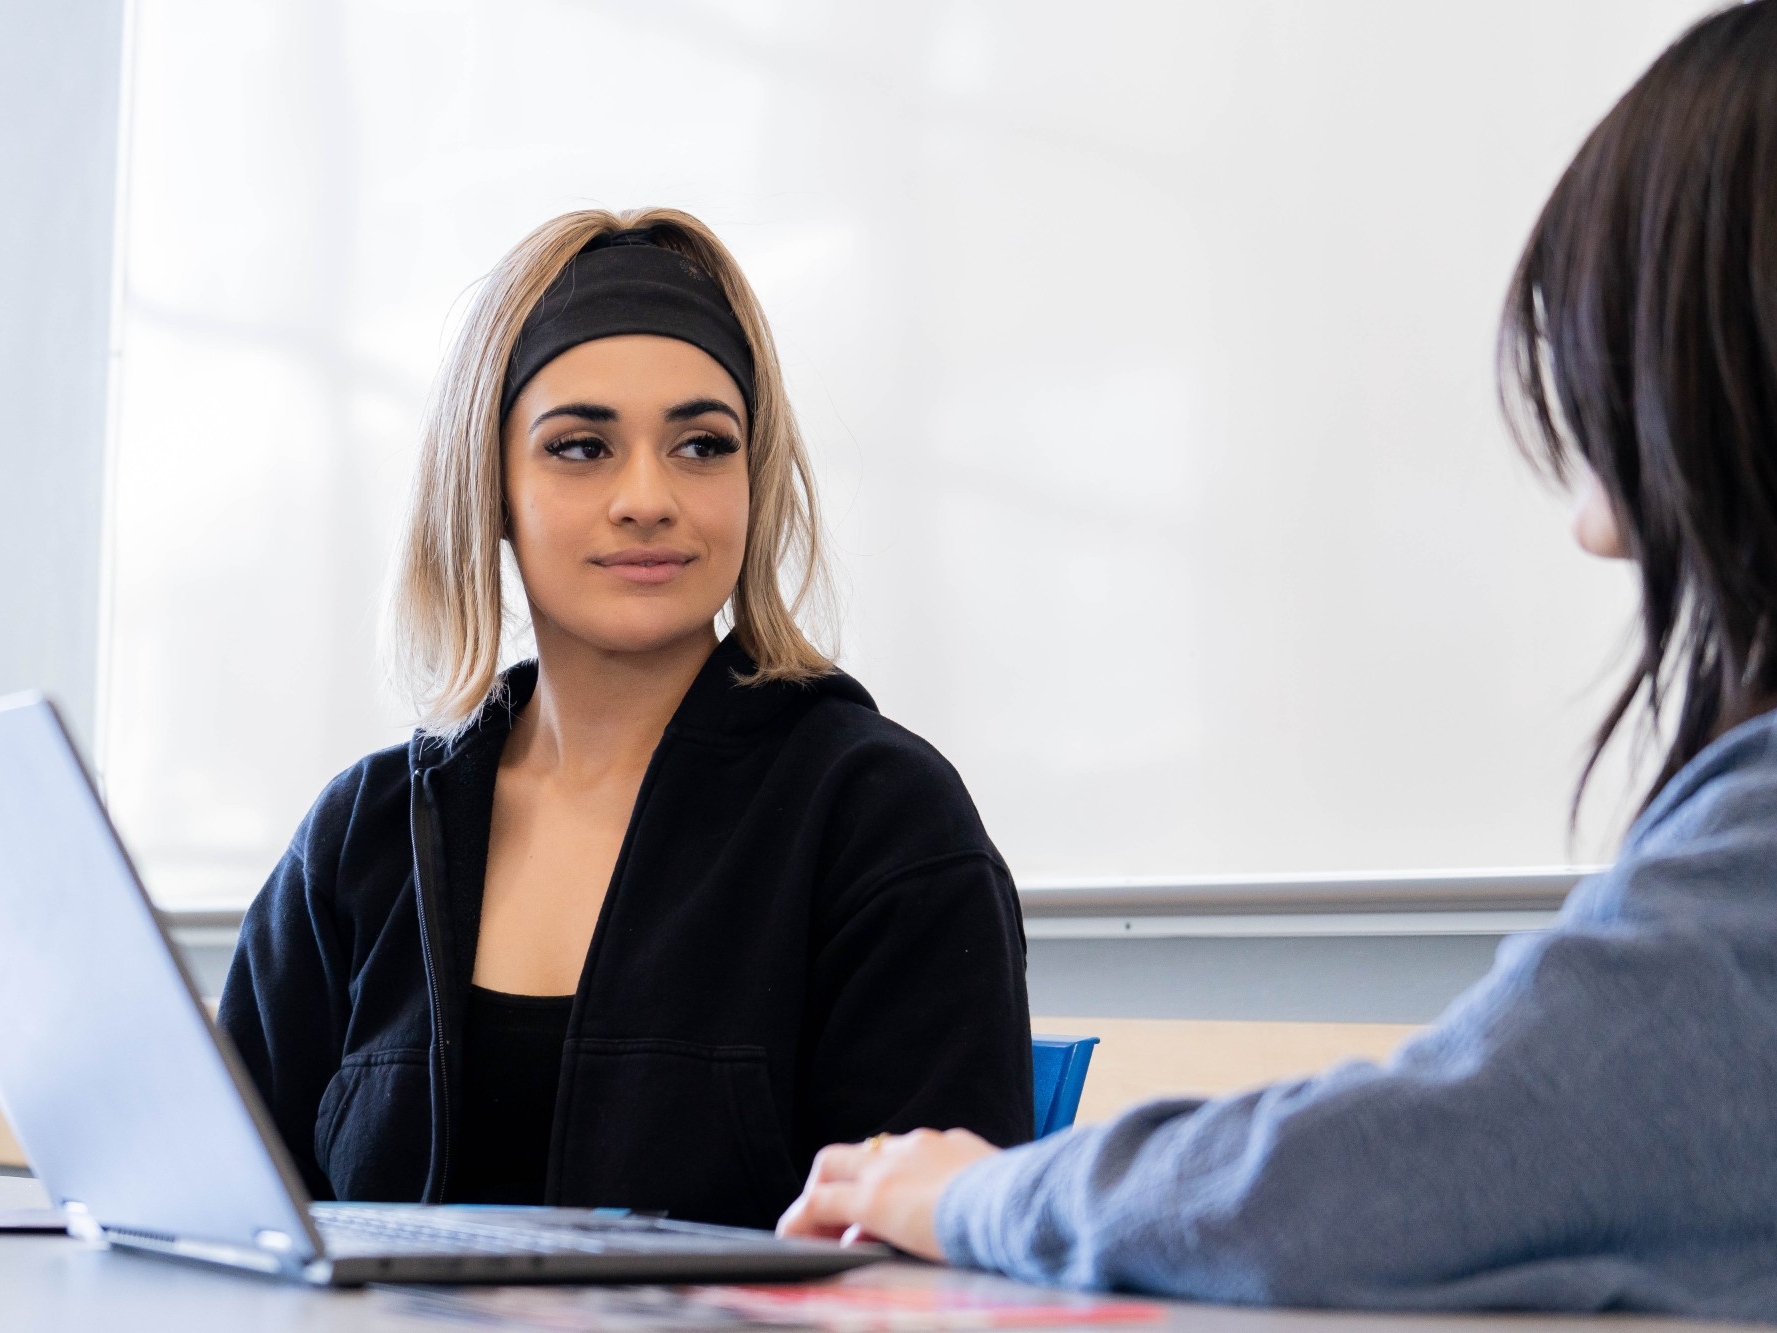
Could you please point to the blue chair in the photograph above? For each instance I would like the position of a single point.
(1058, 1073)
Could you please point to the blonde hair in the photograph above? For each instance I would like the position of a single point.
(448, 612)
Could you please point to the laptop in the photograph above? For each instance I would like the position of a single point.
(145, 1128)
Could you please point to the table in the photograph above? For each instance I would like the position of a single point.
(58, 1283)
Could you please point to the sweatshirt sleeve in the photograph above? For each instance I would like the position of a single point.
(284, 1002)
(1589, 1127)
(916, 1013)
(922, 1013)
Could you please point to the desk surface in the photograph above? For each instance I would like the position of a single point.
(55, 1282)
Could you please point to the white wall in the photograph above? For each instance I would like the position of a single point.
(1145, 351)
(59, 66)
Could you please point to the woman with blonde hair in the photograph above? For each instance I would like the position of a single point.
(646, 921)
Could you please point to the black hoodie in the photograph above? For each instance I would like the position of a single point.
(808, 938)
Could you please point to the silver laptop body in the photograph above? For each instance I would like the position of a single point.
(143, 1125)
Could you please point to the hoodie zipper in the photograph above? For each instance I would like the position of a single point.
(425, 852)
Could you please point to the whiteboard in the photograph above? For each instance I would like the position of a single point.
(1145, 352)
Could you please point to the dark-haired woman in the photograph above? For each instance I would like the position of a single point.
(1594, 1125)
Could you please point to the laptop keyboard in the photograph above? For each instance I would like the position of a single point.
(357, 1229)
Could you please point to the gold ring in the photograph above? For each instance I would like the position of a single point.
(875, 1141)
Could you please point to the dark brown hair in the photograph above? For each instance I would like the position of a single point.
(1640, 338)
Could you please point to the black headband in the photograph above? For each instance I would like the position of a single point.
(624, 283)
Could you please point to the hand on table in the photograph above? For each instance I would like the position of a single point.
(884, 1189)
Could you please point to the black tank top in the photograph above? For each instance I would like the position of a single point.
(512, 1047)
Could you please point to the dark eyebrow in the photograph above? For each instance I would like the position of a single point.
(696, 407)
(585, 411)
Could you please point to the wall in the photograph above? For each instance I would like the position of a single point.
(59, 80)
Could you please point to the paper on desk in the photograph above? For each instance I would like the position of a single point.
(564, 1309)
(861, 1308)
(846, 1307)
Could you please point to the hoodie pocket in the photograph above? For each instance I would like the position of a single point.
(373, 1127)
(673, 1126)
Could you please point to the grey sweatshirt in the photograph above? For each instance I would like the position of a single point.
(1592, 1126)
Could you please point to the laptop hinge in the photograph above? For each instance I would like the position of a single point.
(201, 1251)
